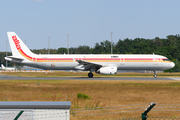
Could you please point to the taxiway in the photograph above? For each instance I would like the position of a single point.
(6, 77)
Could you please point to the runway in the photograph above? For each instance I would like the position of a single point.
(6, 77)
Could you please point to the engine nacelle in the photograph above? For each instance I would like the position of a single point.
(107, 70)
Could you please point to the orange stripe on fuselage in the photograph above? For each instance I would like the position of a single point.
(90, 59)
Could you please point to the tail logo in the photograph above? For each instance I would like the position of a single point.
(16, 41)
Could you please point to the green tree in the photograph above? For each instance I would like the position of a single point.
(61, 50)
(83, 50)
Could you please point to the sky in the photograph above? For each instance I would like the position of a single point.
(86, 21)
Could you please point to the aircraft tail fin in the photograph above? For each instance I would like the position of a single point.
(18, 48)
(2, 66)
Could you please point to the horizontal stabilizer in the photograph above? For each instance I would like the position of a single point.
(15, 58)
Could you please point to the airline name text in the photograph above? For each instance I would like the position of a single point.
(16, 41)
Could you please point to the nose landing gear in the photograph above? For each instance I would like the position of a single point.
(155, 76)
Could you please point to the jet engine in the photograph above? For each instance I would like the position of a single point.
(107, 70)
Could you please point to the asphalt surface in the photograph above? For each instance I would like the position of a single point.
(6, 77)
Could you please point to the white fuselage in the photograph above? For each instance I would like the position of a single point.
(122, 62)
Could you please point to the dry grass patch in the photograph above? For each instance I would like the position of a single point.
(102, 93)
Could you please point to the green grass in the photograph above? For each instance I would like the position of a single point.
(83, 96)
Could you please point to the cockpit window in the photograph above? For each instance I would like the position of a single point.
(166, 60)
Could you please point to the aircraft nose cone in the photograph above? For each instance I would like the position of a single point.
(172, 65)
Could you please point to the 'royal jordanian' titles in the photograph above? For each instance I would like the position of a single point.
(102, 64)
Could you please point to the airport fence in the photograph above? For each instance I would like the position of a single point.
(136, 109)
(151, 118)
(112, 112)
(34, 115)
(21, 110)
(60, 115)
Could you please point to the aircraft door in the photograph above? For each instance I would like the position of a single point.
(122, 61)
(156, 61)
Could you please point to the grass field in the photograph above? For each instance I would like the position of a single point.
(84, 74)
(102, 93)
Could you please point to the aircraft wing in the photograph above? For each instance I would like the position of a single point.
(89, 65)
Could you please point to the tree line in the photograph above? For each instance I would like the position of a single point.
(162, 46)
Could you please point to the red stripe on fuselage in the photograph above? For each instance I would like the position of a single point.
(99, 59)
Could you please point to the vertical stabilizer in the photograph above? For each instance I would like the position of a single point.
(2, 66)
(18, 48)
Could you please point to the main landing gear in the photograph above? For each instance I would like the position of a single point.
(155, 76)
(90, 75)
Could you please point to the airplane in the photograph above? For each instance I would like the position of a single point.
(7, 68)
(99, 63)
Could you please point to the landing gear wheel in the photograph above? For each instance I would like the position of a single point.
(90, 75)
(155, 76)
